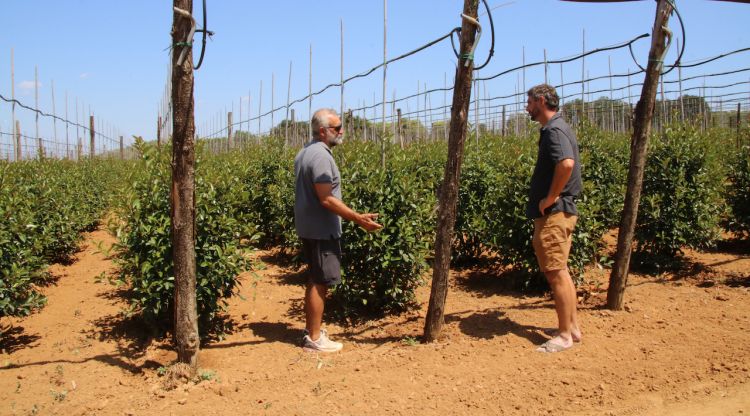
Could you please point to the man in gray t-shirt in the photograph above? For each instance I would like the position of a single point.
(318, 210)
(555, 184)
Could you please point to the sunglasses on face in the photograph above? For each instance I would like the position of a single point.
(335, 128)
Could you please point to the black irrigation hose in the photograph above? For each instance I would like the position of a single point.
(42, 113)
(580, 81)
(715, 58)
(492, 36)
(562, 61)
(205, 32)
(371, 70)
(682, 50)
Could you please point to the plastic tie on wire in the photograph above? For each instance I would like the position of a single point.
(188, 44)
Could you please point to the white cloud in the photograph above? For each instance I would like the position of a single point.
(29, 85)
(84, 75)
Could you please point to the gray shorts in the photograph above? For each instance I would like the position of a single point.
(323, 258)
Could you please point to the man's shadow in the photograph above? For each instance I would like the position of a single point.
(493, 323)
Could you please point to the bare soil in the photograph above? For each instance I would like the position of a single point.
(681, 347)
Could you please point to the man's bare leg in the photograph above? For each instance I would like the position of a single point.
(575, 329)
(315, 296)
(561, 284)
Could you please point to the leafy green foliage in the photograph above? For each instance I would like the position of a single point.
(681, 201)
(738, 191)
(381, 270)
(45, 205)
(145, 246)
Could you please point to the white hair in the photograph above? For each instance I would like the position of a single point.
(320, 119)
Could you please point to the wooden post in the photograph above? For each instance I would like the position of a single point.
(40, 151)
(183, 193)
(260, 107)
(294, 127)
(54, 111)
(739, 123)
(16, 134)
(503, 127)
(273, 88)
(449, 188)
(445, 106)
(158, 132)
(19, 152)
(67, 125)
(476, 112)
(679, 77)
(644, 112)
(398, 128)
(122, 149)
(36, 105)
(419, 110)
(288, 98)
(583, 74)
(341, 79)
(611, 97)
(230, 138)
(385, 68)
(92, 137)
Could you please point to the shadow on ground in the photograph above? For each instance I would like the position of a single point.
(13, 338)
(488, 282)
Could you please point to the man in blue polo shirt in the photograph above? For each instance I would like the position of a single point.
(318, 210)
(555, 183)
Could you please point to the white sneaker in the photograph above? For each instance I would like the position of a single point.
(322, 344)
(305, 334)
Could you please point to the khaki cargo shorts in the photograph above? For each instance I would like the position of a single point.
(553, 236)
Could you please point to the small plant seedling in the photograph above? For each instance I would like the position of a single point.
(59, 396)
(410, 341)
(207, 375)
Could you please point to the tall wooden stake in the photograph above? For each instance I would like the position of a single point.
(341, 74)
(644, 112)
(385, 68)
(16, 133)
(19, 152)
(158, 132)
(288, 98)
(230, 138)
(449, 188)
(183, 192)
(92, 137)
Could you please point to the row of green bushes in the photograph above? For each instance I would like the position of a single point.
(245, 198)
(44, 207)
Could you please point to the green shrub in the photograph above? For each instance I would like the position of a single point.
(381, 270)
(738, 192)
(45, 205)
(681, 201)
(145, 248)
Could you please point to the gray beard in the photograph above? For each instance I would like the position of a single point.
(337, 141)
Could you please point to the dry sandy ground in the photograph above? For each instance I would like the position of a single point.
(681, 347)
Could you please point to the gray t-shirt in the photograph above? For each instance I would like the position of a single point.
(314, 164)
(556, 143)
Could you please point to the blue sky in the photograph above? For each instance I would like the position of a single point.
(111, 55)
